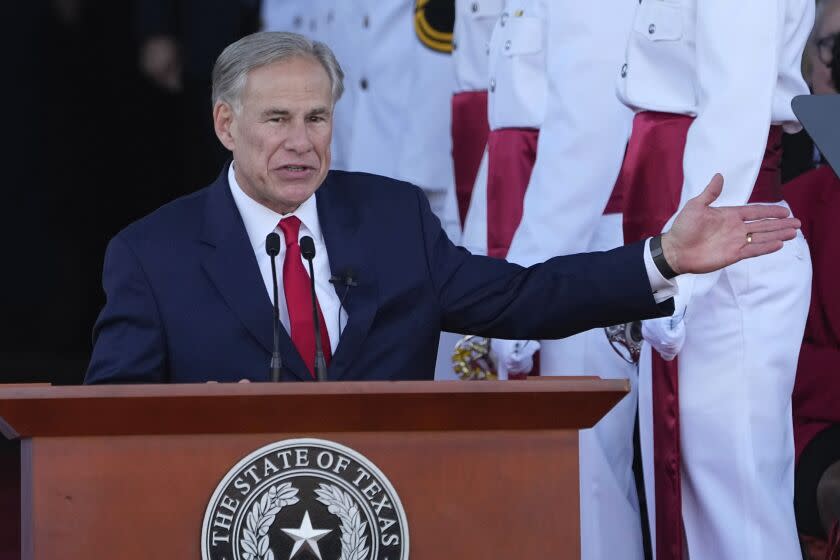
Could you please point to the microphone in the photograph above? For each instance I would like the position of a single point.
(307, 250)
(272, 247)
(348, 280)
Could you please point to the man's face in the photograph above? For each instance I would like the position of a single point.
(820, 79)
(280, 138)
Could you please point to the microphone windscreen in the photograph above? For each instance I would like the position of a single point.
(272, 244)
(307, 247)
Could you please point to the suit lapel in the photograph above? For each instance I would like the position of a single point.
(349, 248)
(230, 264)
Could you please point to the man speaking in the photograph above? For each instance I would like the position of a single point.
(191, 287)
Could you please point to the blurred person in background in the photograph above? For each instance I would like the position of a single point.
(815, 198)
(800, 154)
(556, 144)
(179, 42)
(715, 396)
(818, 53)
(474, 23)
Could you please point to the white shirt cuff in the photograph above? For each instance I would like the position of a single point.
(661, 287)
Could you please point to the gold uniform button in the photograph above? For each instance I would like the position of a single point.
(492, 85)
(624, 71)
(507, 45)
(651, 29)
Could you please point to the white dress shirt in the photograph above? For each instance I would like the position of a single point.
(259, 222)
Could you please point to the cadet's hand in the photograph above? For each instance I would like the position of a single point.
(705, 238)
(666, 335)
(514, 357)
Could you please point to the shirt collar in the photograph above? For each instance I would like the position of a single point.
(260, 220)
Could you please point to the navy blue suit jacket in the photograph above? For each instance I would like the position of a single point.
(186, 301)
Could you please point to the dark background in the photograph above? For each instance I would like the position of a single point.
(94, 145)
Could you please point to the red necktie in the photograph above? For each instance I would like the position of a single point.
(296, 285)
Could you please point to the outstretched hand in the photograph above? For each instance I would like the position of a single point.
(705, 238)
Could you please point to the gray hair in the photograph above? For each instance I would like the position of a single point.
(259, 49)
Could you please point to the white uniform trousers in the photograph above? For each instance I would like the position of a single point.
(736, 375)
(609, 507)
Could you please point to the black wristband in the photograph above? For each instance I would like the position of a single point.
(659, 258)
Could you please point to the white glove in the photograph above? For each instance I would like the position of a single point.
(666, 335)
(513, 357)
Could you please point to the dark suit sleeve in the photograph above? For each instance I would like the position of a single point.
(557, 298)
(128, 338)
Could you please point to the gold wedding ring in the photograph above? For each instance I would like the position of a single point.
(749, 238)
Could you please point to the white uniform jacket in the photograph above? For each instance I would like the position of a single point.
(395, 114)
(306, 17)
(474, 22)
(554, 69)
(517, 87)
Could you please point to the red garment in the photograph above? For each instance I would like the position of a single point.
(512, 153)
(469, 138)
(298, 289)
(651, 182)
(834, 542)
(815, 199)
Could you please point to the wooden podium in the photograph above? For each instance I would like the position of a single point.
(483, 469)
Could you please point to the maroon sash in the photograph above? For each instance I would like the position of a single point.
(512, 153)
(469, 138)
(651, 182)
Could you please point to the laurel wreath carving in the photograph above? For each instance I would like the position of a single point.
(254, 542)
(339, 503)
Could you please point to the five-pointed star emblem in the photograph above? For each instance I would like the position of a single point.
(306, 535)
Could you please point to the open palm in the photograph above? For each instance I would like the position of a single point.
(705, 238)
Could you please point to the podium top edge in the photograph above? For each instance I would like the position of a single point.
(173, 390)
(305, 408)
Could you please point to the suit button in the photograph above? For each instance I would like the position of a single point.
(624, 71)
(297, 22)
(503, 20)
(492, 85)
(474, 7)
(651, 29)
(363, 83)
(366, 22)
(507, 45)
(454, 46)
